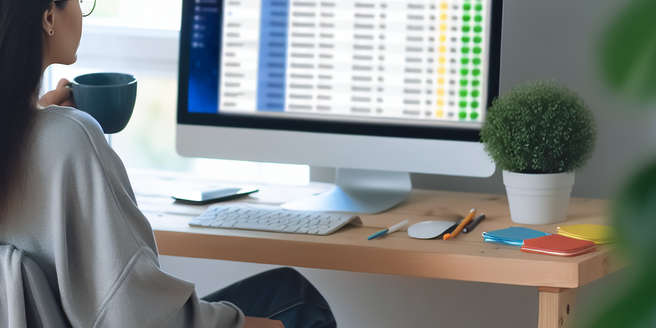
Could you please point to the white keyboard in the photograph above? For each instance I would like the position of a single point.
(273, 219)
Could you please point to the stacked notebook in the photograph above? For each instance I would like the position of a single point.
(558, 245)
(598, 234)
(512, 236)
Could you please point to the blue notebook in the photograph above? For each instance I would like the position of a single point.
(512, 236)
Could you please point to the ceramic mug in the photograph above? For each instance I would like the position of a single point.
(108, 97)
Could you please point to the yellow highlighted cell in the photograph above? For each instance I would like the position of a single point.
(440, 81)
(442, 49)
(443, 17)
(440, 102)
(442, 59)
(444, 5)
(441, 70)
(443, 38)
(440, 92)
(439, 113)
(443, 27)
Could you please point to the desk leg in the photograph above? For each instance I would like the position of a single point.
(557, 307)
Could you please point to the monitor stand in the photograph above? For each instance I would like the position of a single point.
(358, 191)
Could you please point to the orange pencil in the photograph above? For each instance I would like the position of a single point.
(461, 225)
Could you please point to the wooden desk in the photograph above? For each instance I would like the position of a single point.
(466, 258)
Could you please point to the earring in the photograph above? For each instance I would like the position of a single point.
(52, 32)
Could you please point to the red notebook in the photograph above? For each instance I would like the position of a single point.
(558, 245)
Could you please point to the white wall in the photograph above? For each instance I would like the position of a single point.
(553, 39)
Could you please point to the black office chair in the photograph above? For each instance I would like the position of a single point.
(42, 308)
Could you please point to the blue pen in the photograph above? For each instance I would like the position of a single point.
(391, 229)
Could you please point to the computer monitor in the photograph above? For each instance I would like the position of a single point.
(374, 88)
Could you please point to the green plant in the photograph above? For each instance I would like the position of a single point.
(627, 51)
(539, 127)
(633, 216)
(627, 59)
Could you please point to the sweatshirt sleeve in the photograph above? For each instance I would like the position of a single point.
(107, 263)
(145, 287)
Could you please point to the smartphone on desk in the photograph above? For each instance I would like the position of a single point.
(212, 195)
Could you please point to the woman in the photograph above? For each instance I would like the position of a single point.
(66, 201)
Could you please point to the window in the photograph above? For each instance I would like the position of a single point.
(148, 14)
(140, 37)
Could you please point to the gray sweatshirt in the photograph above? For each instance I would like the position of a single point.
(76, 216)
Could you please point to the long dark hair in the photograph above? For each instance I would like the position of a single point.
(21, 61)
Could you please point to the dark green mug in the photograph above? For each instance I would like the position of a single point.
(108, 97)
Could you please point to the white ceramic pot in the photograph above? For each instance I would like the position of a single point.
(538, 198)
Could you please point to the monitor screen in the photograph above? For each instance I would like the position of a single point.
(423, 69)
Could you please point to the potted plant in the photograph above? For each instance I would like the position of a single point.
(539, 133)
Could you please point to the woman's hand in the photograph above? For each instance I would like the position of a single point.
(252, 322)
(61, 96)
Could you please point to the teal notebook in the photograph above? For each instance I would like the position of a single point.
(512, 236)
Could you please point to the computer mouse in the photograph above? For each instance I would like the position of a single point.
(429, 229)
